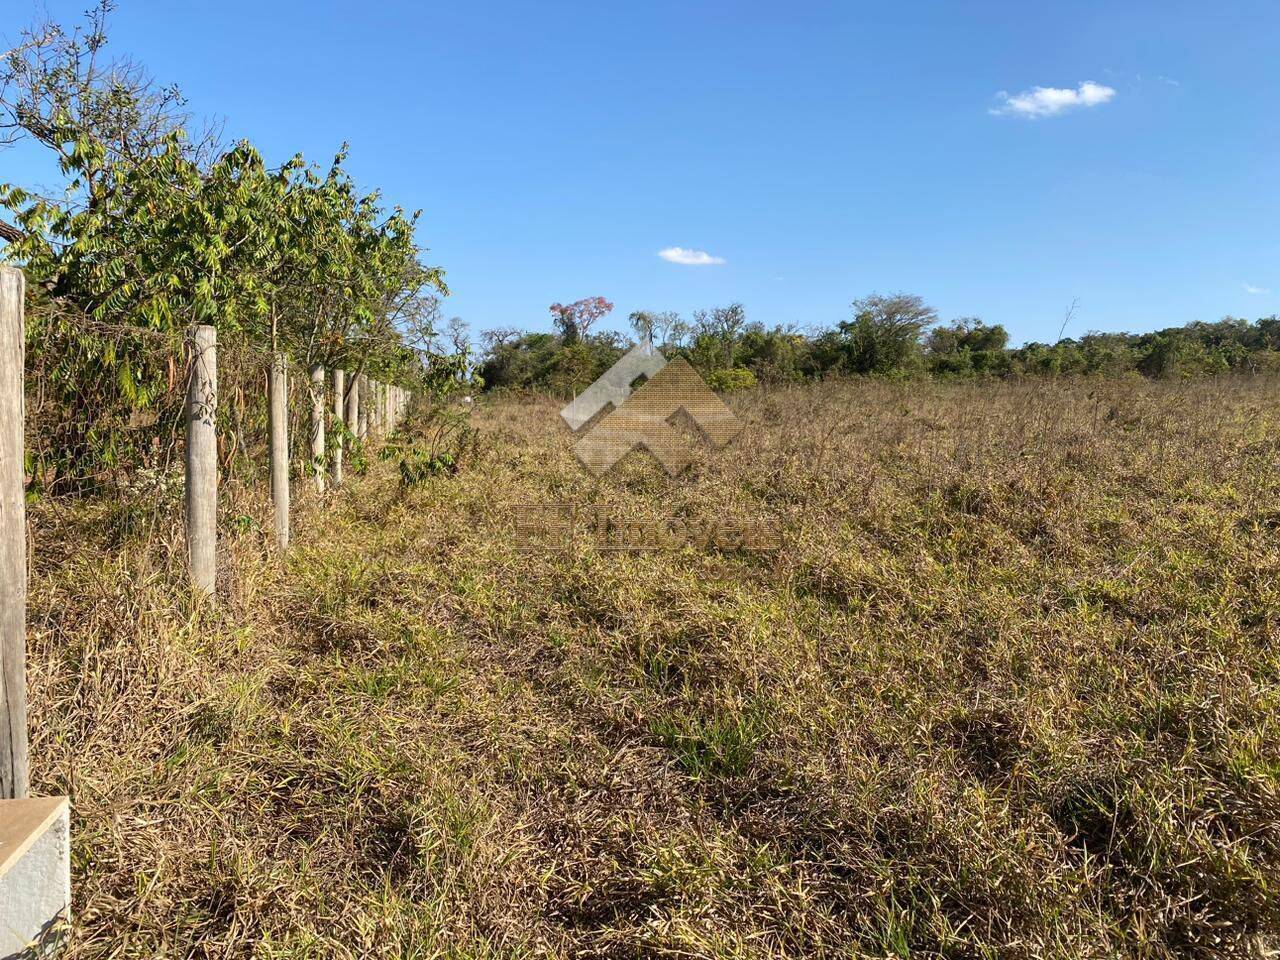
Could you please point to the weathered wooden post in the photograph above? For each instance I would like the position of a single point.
(279, 418)
(339, 398)
(35, 832)
(353, 405)
(375, 408)
(13, 540)
(202, 459)
(362, 410)
(317, 426)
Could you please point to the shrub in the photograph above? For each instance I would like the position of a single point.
(726, 381)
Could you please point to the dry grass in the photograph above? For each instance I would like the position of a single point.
(1009, 691)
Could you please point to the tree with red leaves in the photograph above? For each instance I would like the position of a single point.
(575, 319)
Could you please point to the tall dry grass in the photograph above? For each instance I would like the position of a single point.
(1009, 690)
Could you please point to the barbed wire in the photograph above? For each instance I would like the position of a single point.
(235, 338)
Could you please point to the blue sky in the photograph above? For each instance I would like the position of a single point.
(822, 150)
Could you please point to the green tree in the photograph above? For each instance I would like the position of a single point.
(885, 332)
(715, 336)
(151, 234)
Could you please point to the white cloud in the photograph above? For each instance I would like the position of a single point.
(1051, 101)
(1250, 288)
(690, 258)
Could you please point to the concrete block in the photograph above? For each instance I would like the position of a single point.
(35, 875)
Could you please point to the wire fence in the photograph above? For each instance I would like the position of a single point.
(109, 411)
(105, 405)
(161, 424)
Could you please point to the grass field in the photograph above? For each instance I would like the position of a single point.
(1009, 690)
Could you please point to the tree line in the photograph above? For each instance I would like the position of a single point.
(897, 335)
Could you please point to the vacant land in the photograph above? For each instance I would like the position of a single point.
(1010, 690)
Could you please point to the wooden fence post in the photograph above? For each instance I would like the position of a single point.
(279, 417)
(202, 459)
(339, 398)
(362, 407)
(353, 405)
(317, 426)
(13, 541)
(375, 408)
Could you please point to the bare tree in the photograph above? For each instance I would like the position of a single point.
(459, 335)
(661, 328)
(59, 88)
(1068, 316)
(416, 311)
(491, 340)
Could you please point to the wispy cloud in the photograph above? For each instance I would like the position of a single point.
(690, 258)
(1050, 101)
(1170, 81)
(1256, 291)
